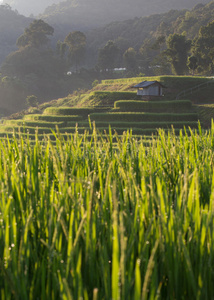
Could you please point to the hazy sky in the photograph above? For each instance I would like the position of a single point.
(28, 7)
(35, 7)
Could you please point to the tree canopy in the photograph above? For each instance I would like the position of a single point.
(76, 42)
(108, 56)
(35, 35)
(203, 47)
(177, 52)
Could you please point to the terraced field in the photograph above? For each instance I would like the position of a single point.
(206, 114)
(142, 117)
(114, 103)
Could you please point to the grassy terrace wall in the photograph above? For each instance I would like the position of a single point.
(144, 117)
(105, 98)
(52, 118)
(72, 111)
(36, 123)
(157, 106)
(181, 82)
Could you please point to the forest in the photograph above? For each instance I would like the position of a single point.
(49, 65)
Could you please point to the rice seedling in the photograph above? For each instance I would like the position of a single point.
(103, 216)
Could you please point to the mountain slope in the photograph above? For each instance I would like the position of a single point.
(134, 32)
(12, 25)
(84, 14)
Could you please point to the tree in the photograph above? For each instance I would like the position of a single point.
(35, 35)
(158, 43)
(192, 63)
(203, 47)
(76, 42)
(35, 65)
(108, 55)
(130, 59)
(177, 52)
(12, 94)
(146, 55)
(61, 48)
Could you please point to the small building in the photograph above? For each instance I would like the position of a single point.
(149, 88)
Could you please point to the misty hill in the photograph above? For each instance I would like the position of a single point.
(27, 7)
(12, 25)
(134, 32)
(84, 14)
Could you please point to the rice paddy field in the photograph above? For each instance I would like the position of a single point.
(103, 216)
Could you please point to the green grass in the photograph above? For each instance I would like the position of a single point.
(32, 123)
(155, 106)
(206, 114)
(136, 128)
(136, 124)
(144, 117)
(91, 218)
(84, 111)
(173, 84)
(52, 118)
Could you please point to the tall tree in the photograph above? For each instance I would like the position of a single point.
(35, 35)
(203, 47)
(130, 59)
(34, 63)
(108, 55)
(192, 63)
(177, 52)
(76, 42)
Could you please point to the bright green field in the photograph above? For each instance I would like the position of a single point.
(87, 218)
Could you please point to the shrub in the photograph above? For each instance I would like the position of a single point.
(95, 83)
(32, 100)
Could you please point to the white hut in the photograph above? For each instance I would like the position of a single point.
(149, 88)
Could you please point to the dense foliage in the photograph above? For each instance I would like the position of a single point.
(83, 15)
(177, 42)
(107, 217)
(148, 37)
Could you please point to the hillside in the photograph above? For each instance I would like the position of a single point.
(12, 25)
(83, 14)
(134, 32)
(113, 102)
(126, 32)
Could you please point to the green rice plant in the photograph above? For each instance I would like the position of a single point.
(103, 216)
(142, 125)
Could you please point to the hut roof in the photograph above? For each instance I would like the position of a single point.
(145, 84)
